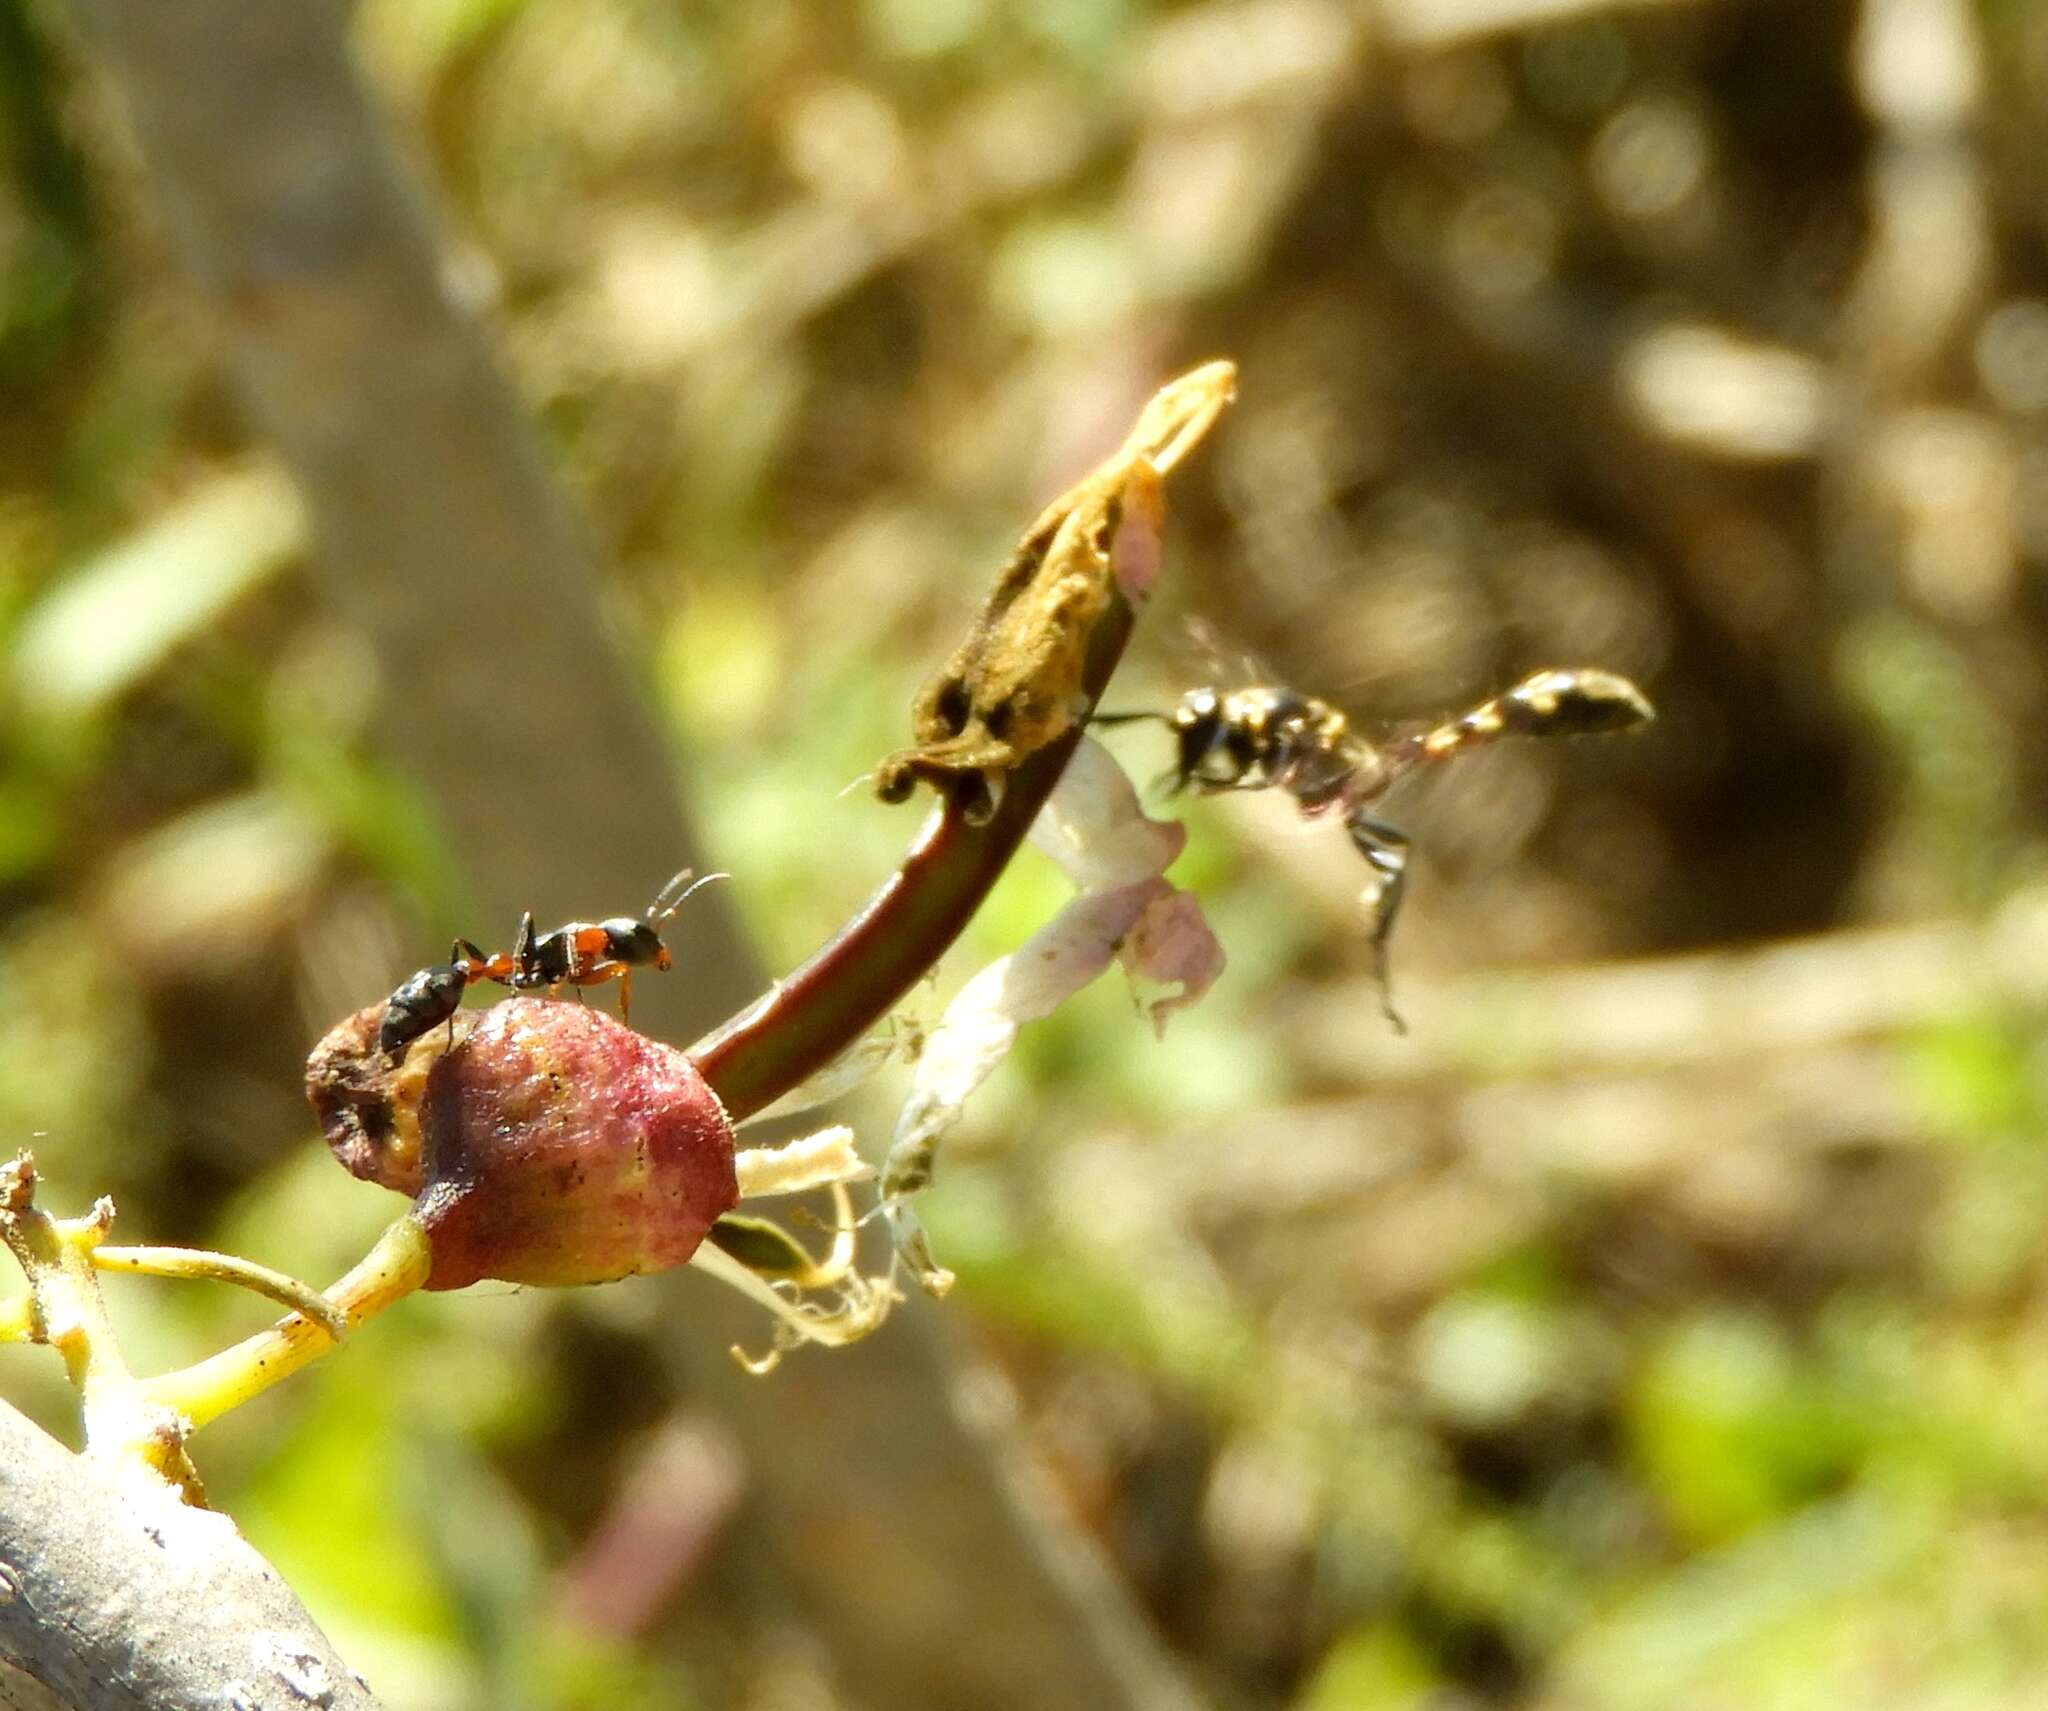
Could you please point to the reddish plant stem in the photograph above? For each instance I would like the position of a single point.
(859, 975)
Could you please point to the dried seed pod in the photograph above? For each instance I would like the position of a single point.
(550, 1145)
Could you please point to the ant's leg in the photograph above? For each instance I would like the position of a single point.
(1387, 851)
(626, 998)
(459, 960)
(598, 974)
(522, 947)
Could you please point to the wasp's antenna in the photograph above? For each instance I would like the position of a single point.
(1127, 718)
(669, 898)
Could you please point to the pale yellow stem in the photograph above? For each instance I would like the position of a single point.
(838, 1263)
(204, 1264)
(207, 1389)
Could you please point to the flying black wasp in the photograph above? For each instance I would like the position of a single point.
(578, 954)
(1272, 737)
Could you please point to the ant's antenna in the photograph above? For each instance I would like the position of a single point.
(677, 892)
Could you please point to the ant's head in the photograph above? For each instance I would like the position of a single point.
(634, 943)
(638, 943)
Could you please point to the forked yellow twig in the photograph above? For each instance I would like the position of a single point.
(390, 1271)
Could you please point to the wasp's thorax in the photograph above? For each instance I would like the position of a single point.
(1248, 739)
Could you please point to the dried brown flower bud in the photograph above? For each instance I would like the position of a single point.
(550, 1145)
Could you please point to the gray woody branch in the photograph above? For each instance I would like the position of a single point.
(116, 1596)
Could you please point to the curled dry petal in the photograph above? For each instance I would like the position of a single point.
(1102, 839)
(1170, 942)
(1115, 854)
(1095, 830)
(980, 1025)
(550, 1145)
(1019, 679)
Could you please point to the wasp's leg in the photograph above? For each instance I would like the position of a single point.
(1387, 851)
(1255, 779)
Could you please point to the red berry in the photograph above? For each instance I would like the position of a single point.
(551, 1144)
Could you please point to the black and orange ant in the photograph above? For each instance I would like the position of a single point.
(1253, 739)
(579, 954)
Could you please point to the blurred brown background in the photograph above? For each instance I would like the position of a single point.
(1661, 1324)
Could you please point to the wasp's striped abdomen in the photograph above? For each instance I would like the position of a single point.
(1545, 704)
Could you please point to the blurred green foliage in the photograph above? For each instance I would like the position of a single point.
(1522, 1365)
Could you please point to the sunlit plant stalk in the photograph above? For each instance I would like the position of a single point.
(852, 984)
